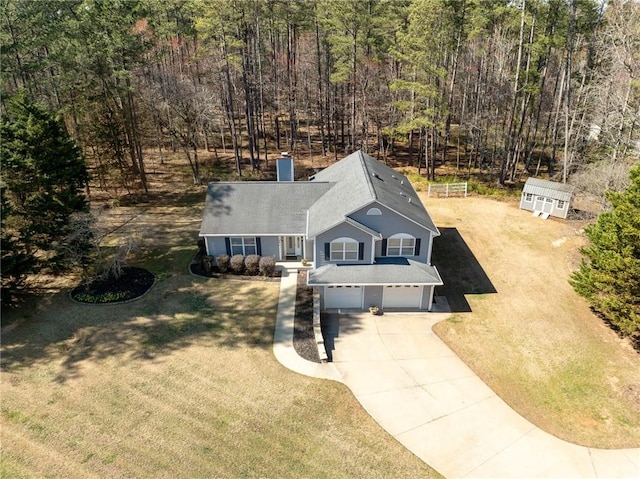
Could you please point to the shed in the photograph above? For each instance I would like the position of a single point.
(546, 198)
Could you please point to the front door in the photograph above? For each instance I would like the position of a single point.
(293, 246)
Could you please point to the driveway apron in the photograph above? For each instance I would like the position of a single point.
(417, 389)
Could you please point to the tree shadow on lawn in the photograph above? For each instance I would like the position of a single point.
(173, 316)
(461, 272)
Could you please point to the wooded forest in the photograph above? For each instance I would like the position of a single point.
(499, 87)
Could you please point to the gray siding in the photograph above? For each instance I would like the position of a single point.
(390, 223)
(551, 208)
(270, 246)
(343, 230)
(426, 294)
(308, 250)
(216, 245)
(372, 296)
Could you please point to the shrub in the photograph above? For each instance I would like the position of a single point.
(207, 263)
(224, 262)
(267, 265)
(252, 264)
(237, 263)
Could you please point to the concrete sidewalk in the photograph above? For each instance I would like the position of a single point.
(283, 336)
(418, 390)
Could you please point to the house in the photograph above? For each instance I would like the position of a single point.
(359, 222)
(546, 198)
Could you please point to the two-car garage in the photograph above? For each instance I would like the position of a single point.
(393, 297)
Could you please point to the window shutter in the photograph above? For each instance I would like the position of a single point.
(327, 251)
(384, 247)
(258, 247)
(360, 251)
(227, 244)
(417, 252)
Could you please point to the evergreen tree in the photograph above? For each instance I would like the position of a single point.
(610, 278)
(43, 176)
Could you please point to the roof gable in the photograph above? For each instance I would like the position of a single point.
(361, 180)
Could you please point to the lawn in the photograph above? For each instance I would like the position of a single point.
(520, 326)
(181, 383)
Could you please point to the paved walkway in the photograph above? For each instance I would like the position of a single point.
(417, 389)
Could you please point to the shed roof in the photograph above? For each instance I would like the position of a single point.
(259, 207)
(548, 189)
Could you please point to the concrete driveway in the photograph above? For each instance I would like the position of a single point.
(417, 389)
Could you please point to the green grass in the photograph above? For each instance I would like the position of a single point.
(180, 383)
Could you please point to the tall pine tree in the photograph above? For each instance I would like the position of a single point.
(43, 176)
(610, 276)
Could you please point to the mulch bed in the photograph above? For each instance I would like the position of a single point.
(304, 341)
(133, 283)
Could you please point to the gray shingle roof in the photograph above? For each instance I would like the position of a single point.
(360, 180)
(259, 207)
(406, 272)
(280, 208)
(548, 189)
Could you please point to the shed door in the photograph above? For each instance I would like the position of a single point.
(538, 205)
(348, 297)
(548, 205)
(402, 297)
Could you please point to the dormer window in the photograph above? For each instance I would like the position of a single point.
(401, 245)
(374, 212)
(344, 249)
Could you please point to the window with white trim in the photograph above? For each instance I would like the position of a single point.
(343, 249)
(243, 245)
(561, 204)
(401, 245)
(528, 197)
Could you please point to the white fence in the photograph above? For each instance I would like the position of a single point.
(447, 189)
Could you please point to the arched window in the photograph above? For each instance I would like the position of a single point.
(374, 212)
(401, 244)
(344, 249)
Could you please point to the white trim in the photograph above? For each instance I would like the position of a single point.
(435, 233)
(374, 284)
(344, 240)
(431, 293)
(402, 237)
(243, 245)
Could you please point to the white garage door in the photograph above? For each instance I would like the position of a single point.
(402, 296)
(343, 297)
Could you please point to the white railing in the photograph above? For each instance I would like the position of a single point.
(447, 189)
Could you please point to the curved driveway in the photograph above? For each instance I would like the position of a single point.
(417, 389)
